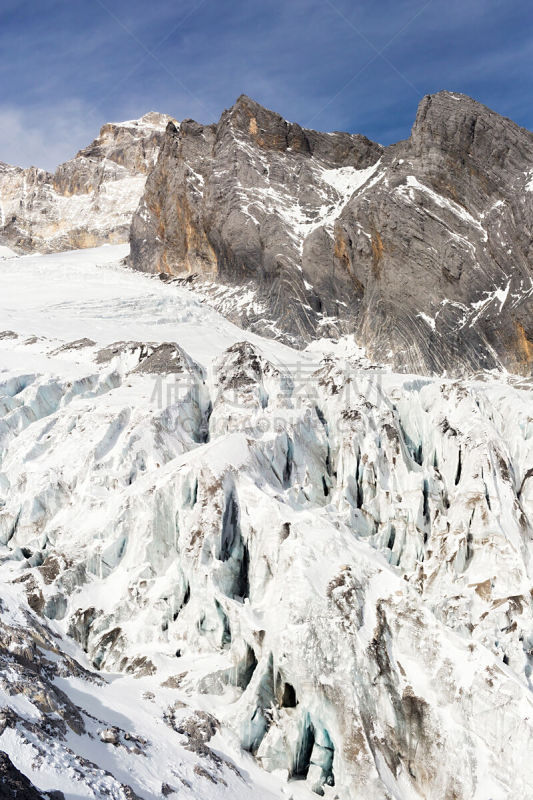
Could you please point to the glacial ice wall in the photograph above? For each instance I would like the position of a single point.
(335, 556)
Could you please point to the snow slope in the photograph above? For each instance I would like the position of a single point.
(108, 735)
(89, 293)
(331, 561)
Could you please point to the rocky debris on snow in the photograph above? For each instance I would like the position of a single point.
(106, 354)
(166, 358)
(79, 344)
(197, 729)
(110, 736)
(119, 738)
(38, 750)
(333, 562)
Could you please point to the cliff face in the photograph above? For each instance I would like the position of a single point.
(90, 199)
(442, 243)
(423, 249)
(237, 200)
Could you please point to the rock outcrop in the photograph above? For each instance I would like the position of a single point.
(14, 785)
(424, 249)
(90, 199)
(441, 245)
(236, 201)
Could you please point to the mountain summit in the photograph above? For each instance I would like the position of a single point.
(423, 250)
(88, 200)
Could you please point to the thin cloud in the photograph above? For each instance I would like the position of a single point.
(43, 137)
(193, 58)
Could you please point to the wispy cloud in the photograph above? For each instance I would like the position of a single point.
(43, 137)
(339, 64)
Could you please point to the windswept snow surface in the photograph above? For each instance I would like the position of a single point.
(231, 569)
(90, 294)
(6, 252)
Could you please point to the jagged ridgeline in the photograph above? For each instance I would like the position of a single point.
(423, 249)
(89, 200)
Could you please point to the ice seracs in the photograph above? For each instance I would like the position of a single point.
(326, 562)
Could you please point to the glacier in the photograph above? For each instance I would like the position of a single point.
(229, 566)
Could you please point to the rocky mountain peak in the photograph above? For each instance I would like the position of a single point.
(269, 131)
(266, 129)
(422, 250)
(125, 142)
(236, 201)
(90, 199)
(466, 129)
(152, 119)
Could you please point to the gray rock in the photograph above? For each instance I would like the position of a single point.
(428, 261)
(222, 200)
(78, 344)
(441, 247)
(110, 736)
(167, 358)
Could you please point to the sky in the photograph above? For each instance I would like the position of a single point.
(69, 66)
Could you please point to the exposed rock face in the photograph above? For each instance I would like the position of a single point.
(446, 267)
(424, 249)
(14, 785)
(87, 201)
(235, 201)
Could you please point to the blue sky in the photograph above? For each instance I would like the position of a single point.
(68, 66)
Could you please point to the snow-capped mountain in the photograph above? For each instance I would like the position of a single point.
(90, 199)
(228, 564)
(423, 249)
(266, 523)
